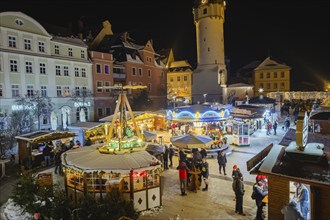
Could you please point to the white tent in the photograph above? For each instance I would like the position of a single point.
(192, 141)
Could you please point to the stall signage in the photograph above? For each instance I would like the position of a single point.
(302, 130)
(241, 111)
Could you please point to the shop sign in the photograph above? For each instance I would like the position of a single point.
(80, 104)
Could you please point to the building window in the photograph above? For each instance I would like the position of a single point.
(58, 70)
(140, 72)
(140, 83)
(82, 54)
(27, 44)
(45, 120)
(261, 75)
(275, 85)
(66, 70)
(70, 52)
(15, 90)
(99, 86)
(133, 71)
(178, 78)
(42, 68)
(108, 111)
(268, 75)
(204, 11)
(19, 22)
(149, 73)
(41, 46)
(208, 49)
(66, 91)
(28, 67)
(171, 79)
(106, 69)
(267, 85)
(1, 91)
(185, 78)
(76, 72)
(83, 72)
(43, 90)
(107, 85)
(100, 112)
(29, 90)
(275, 74)
(282, 74)
(12, 41)
(13, 66)
(149, 87)
(58, 91)
(78, 113)
(98, 68)
(57, 49)
(261, 85)
(77, 89)
(282, 85)
(84, 91)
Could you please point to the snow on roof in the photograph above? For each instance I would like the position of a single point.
(269, 63)
(85, 125)
(180, 63)
(69, 40)
(89, 159)
(269, 162)
(130, 59)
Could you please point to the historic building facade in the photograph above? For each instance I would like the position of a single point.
(209, 16)
(31, 59)
(271, 76)
(134, 64)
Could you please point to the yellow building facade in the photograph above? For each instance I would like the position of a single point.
(179, 80)
(271, 76)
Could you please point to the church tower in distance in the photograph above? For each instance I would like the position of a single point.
(210, 76)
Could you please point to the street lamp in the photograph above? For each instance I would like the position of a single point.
(174, 97)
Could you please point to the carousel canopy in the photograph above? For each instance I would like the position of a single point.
(192, 141)
(89, 159)
(45, 136)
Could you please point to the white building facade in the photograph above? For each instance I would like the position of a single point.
(33, 60)
(209, 16)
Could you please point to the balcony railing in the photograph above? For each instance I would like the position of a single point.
(119, 75)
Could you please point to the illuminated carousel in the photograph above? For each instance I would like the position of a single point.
(122, 162)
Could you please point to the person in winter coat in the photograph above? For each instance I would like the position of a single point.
(46, 153)
(290, 211)
(197, 158)
(165, 157)
(238, 188)
(222, 160)
(275, 127)
(183, 177)
(205, 173)
(203, 153)
(58, 161)
(171, 154)
(182, 155)
(259, 193)
(301, 196)
(236, 172)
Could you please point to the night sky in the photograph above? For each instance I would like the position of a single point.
(295, 32)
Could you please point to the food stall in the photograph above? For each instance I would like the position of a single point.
(241, 134)
(30, 145)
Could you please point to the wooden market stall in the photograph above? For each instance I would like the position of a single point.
(30, 145)
(300, 157)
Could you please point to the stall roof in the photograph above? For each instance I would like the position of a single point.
(85, 125)
(44, 136)
(261, 100)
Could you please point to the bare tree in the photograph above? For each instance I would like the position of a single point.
(81, 95)
(43, 105)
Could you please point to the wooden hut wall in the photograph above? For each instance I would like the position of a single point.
(278, 196)
(320, 200)
(23, 150)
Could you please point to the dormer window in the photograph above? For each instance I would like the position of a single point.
(19, 22)
(41, 46)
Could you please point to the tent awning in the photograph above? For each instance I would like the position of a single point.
(44, 136)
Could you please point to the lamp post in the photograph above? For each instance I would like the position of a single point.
(260, 90)
(205, 97)
(174, 97)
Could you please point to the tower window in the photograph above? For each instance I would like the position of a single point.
(208, 49)
(204, 39)
(204, 11)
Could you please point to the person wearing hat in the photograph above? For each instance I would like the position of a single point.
(236, 172)
(238, 188)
